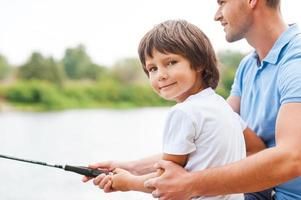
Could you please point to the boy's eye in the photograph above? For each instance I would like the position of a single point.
(152, 69)
(172, 62)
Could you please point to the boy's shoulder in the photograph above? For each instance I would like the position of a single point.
(199, 103)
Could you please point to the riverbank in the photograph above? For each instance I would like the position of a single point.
(5, 107)
(44, 96)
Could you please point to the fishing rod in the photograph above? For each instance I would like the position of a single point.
(77, 169)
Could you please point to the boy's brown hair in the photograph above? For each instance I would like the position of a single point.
(185, 39)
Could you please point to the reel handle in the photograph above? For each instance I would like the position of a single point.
(85, 171)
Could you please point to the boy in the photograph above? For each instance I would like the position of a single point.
(201, 130)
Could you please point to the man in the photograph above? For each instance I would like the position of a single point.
(267, 94)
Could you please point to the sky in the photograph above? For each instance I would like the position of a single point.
(109, 29)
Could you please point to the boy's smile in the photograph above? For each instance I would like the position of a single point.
(166, 86)
(172, 76)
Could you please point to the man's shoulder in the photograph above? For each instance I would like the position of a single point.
(295, 43)
(292, 53)
(293, 48)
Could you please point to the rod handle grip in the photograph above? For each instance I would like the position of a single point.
(85, 171)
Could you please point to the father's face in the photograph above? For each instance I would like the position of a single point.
(235, 17)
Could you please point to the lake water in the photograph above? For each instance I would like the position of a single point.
(76, 137)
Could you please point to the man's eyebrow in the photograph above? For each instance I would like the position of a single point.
(218, 1)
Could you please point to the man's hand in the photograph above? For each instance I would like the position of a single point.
(174, 184)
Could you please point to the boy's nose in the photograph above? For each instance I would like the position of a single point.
(163, 74)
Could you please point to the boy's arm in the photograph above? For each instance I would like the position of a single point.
(124, 181)
(143, 165)
(254, 143)
(136, 167)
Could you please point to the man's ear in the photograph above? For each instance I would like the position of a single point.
(252, 3)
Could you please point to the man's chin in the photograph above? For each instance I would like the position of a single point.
(230, 38)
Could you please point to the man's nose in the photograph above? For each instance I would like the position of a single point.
(218, 15)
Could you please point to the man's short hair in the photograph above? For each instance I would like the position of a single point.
(273, 3)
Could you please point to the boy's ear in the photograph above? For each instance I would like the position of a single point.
(199, 70)
(252, 3)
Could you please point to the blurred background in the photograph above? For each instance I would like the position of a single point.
(72, 90)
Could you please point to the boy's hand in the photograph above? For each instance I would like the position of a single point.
(121, 180)
(104, 182)
(106, 166)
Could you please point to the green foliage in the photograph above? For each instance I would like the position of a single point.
(4, 68)
(41, 68)
(46, 96)
(229, 62)
(78, 64)
(228, 76)
(36, 92)
(3, 91)
(128, 71)
(94, 72)
(142, 95)
(42, 83)
(230, 59)
(223, 92)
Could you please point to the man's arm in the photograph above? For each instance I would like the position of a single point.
(260, 171)
(265, 169)
(234, 102)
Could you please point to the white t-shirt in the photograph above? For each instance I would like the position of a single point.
(205, 127)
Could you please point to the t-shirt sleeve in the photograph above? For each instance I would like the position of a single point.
(179, 134)
(290, 82)
(243, 124)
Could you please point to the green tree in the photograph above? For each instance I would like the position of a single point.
(229, 62)
(4, 68)
(230, 58)
(78, 64)
(42, 68)
(94, 72)
(128, 71)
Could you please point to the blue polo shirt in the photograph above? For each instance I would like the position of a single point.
(264, 86)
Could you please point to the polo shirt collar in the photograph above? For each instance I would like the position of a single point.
(283, 40)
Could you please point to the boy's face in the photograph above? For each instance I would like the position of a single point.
(235, 16)
(172, 77)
